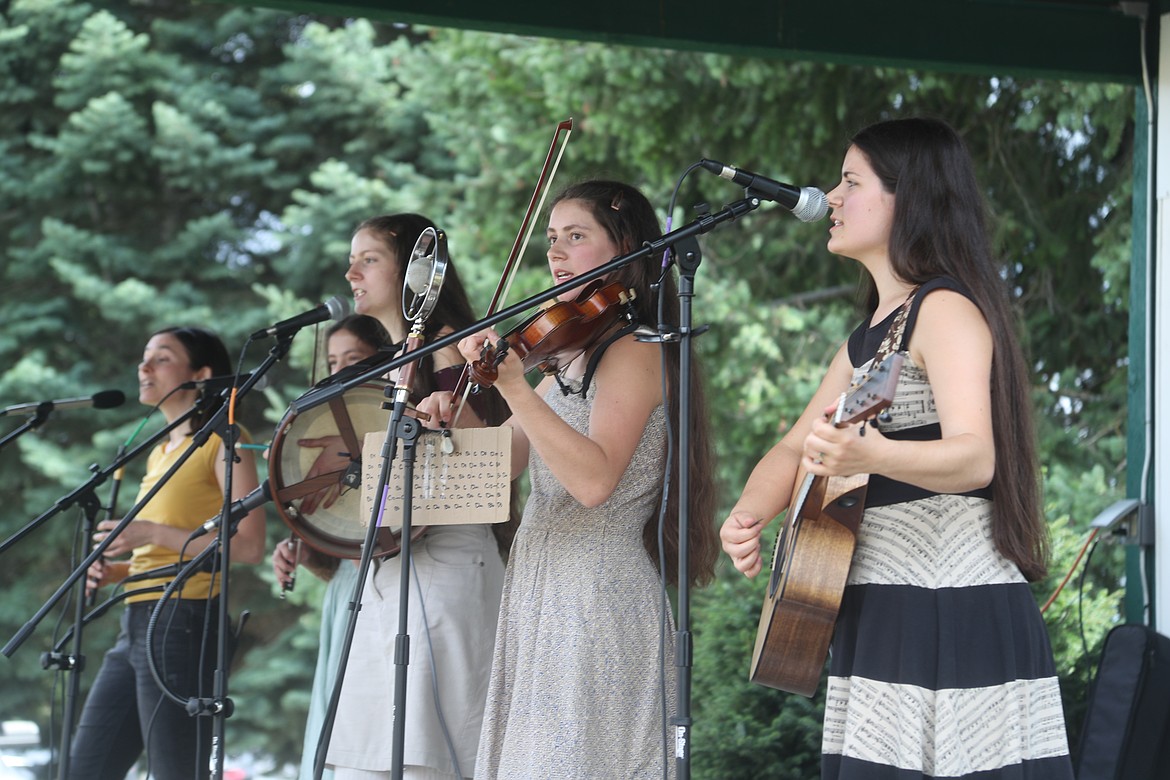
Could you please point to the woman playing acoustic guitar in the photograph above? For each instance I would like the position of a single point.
(941, 665)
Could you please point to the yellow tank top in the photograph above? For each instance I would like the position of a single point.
(190, 498)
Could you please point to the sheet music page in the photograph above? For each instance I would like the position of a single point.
(466, 482)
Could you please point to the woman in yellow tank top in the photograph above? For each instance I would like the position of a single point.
(126, 712)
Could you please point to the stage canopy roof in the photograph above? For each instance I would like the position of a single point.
(1085, 40)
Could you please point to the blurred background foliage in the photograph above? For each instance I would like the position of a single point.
(166, 162)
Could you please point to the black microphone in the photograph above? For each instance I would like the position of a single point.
(237, 511)
(167, 571)
(808, 203)
(333, 309)
(213, 383)
(106, 399)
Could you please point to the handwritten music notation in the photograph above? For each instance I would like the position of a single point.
(463, 478)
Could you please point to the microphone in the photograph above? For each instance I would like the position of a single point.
(333, 309)
(237, 511)
(167, 571)
(808, 203)
(106, 399)
(213, 383)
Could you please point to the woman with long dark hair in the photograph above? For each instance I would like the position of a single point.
(941, 664)
(457, 569)
(578, 680)
(126, 712)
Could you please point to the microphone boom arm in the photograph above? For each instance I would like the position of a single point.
(200, 437)
(702, 224)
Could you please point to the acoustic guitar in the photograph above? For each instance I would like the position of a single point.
(813, 553)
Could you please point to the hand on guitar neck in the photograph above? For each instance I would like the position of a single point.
(838, 445)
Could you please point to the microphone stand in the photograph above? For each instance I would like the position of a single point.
(407, 430)
(220, 703)
(702, 224)
(688, 264)
(687, 256)
(219, 706)
(35, 421)
(74, 662)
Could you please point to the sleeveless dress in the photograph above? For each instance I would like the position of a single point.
(575, 690)
(941, 665)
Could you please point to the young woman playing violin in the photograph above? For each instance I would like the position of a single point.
(576, 679)
(458, 570)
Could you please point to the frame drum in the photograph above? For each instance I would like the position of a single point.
(338, 529)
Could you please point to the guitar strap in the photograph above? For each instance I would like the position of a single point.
(895, 335)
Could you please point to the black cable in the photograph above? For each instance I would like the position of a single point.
(1081, 597)
(434, 670)
(168, 590)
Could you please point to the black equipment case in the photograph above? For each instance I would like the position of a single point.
(1126, 732)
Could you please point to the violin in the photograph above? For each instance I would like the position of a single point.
(555, 336)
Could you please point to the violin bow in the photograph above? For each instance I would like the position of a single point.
(535, 204)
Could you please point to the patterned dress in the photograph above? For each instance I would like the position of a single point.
(941, 665)
(576, 681)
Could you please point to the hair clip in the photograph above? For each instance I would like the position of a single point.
(616, 203)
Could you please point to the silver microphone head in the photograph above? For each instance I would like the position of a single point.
(338, 307)
(418, 274)
(811, 206)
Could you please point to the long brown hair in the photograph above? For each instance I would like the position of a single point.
(940, 229)
(629, 220)
(452, 310)
(204, 348)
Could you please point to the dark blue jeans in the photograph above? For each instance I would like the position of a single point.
(126, 710)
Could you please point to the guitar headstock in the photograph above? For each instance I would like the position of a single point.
(873, 394)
